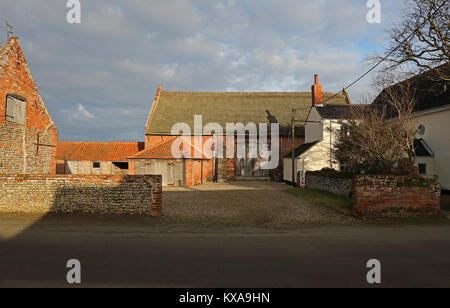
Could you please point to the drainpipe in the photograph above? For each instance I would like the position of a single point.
(214, 157)
(201, 173)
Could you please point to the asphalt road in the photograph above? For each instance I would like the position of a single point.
(412, 256)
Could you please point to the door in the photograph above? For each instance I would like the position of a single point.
(165, 169)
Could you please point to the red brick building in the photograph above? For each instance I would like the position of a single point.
(175, 171)
(172, 107)
(102, 158)
(28, 136)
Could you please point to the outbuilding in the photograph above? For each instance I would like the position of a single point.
(175, 171)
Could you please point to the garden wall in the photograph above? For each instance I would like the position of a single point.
(114, 195)
(395, 196)
(336, 184)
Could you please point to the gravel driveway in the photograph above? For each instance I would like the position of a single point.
(244, 203)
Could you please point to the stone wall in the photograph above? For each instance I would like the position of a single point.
(225, 169)
(395, 196)
(19, 153)
(336, 185)
(106, 195)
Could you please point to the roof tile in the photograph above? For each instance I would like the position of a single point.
(164, 151)
(230, 107)
(97, 151)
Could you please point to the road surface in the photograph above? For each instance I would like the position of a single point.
(134, 256)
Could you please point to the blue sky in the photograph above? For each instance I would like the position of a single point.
(98, 78)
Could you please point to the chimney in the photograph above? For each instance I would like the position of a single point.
(316, 90)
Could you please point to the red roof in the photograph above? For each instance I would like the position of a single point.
(164, 151)
(97, 151)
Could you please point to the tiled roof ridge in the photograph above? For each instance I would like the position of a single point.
(265, 94)
(155, 147)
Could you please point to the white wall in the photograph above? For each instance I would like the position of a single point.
(429, 161)
(313, 131)
(318, 157)
(437, 135)
(287, 169)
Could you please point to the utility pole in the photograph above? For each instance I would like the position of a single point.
(292, 132)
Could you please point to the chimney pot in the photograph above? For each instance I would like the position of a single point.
(316, 90)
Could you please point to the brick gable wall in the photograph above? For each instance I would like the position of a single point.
(18, 150)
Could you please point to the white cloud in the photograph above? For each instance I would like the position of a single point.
(79, 114)
(110, 64)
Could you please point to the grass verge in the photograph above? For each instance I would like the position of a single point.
(341, 204)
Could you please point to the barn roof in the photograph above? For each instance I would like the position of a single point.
(171, 107)
(97, 151)
(164, 151)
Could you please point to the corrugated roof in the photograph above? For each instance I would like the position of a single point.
(341, 112)
(230, 107)
(164, 151)
(97, 151)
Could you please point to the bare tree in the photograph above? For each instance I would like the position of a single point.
(379, 138)
(421, 39)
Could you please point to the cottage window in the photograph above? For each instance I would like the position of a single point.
(423, 169)
(15, 109)
(96, 165)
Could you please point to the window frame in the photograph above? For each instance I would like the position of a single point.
(421, 130)
(15, 119)
(424, 165)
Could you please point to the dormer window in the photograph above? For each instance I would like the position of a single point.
(15, 109)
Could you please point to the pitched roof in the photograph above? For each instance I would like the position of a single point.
(341, 112)
(164, 151)
(97, 151)
(430, 91)
(302, 149)
(172, 107)
(422, 148)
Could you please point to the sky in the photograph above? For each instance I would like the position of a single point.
(98, 78)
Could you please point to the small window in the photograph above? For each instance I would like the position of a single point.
(15, 109)
(423, 169)
(96, 165)
(121, 165)
(421, 130)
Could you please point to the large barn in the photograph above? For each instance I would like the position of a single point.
(172, 107)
